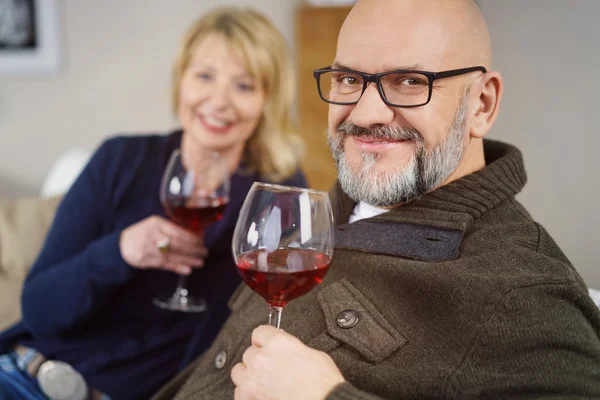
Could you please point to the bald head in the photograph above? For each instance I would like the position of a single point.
(407, 132)
(437, 34)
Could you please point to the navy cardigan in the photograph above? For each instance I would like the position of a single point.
(83, 304)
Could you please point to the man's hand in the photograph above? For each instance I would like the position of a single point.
(279, 366)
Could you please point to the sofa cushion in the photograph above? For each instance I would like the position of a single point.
(24, 223)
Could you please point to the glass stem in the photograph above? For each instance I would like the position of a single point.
(181, 290)
(275, 316)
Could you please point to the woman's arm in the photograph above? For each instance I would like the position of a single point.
(79, 265)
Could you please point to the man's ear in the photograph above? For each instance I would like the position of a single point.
(487, 105)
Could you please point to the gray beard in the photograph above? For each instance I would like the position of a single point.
(426, 170)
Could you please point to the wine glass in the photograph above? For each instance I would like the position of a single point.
(194, 195)
(283, 243)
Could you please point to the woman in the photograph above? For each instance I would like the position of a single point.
(88, 299)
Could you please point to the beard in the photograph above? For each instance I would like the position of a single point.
(426, 169)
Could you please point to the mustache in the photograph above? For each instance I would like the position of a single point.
(389, 132)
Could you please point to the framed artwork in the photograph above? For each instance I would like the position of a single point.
(29, 37)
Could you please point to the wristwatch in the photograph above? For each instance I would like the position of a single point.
(59, 381)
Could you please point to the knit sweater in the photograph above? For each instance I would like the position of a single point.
(84, 305)
(459, 294)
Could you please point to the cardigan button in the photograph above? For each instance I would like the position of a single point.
(347, 319)
(220, 359)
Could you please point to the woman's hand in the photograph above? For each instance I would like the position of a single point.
(139, 246)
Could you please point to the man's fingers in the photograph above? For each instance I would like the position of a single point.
(250, 356)
(238, 395)
(263, 334)
(238, 373)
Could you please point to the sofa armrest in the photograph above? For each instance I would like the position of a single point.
(24, 223)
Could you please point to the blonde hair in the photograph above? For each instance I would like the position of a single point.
(273, 150)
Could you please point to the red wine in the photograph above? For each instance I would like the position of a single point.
(284, 274)
(197, 219)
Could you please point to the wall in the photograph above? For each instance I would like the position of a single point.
(117, 63)
(548, 53)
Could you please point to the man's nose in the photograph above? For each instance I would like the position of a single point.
(370, 110)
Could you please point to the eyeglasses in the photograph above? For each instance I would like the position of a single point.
(399, 88)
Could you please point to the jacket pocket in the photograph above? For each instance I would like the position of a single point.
(354, 321)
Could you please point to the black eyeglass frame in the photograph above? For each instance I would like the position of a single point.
(376, 78)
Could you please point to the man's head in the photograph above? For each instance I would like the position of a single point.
(388, 155)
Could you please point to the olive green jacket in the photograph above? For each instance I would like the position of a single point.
(461, 295)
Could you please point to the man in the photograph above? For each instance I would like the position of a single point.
(441, 286)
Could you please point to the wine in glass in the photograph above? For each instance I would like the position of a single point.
(194, 195)
(283, 243)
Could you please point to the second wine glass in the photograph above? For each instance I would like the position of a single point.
(283, 243)
(194, 195)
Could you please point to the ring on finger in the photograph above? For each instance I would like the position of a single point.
(163, 245)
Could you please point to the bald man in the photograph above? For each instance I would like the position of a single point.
(442, 286)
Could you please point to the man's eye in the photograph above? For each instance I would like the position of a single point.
(349, 80)
(412, 82)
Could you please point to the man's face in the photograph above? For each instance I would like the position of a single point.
(389, 155)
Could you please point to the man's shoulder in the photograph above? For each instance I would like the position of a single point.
(507, 224)
(510, 224)
(518, 244)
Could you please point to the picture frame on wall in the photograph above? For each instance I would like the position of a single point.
(29, 37)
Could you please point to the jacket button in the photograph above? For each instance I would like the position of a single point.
(220, 359)
(347, 319)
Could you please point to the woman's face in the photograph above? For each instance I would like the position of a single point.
(220, 102)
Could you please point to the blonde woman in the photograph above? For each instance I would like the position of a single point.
(88, 299)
